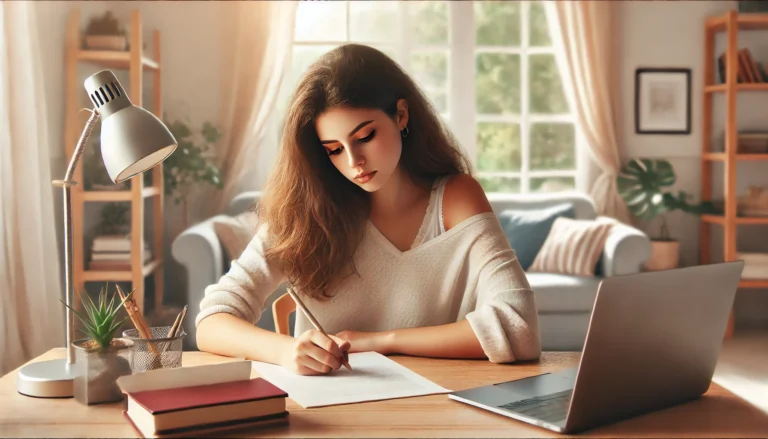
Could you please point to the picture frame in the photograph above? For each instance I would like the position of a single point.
(663, 101)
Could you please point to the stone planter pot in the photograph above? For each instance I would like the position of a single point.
(98, 370)
(106, 42)
(664, 255)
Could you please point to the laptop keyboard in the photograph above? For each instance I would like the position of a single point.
(549, 408)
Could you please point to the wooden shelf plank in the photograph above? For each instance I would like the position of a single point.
(147, 192)
(714, 156)
(720, 88)
(122, 275)
(746, 21)
(721, 157)
(114, 59)
(719, 219)
(753, 283)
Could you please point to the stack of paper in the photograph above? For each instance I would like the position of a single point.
(373, 377)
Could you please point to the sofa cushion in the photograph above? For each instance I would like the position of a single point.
(527, 230)
(562, 292)
(572, 247)
(235, 232)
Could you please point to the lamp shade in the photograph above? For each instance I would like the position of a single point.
(133, 140)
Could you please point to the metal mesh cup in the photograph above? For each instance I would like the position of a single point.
(159, 352)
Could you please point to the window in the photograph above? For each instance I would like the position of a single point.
(495, 55)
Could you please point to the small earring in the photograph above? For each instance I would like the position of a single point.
(404, 132)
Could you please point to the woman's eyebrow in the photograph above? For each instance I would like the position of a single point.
(351, 133)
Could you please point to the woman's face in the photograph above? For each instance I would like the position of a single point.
(363, 144)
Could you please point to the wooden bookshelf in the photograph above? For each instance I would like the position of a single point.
(730, 24)
(136, 63)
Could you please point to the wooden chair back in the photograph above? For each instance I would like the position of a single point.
(281, 311)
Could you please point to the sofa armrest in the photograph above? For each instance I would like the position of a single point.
(625, 251)
(198, 249)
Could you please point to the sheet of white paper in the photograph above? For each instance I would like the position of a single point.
(373, 377)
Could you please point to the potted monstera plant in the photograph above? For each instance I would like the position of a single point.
(643, 185)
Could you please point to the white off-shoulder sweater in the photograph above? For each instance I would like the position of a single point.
(468, 272)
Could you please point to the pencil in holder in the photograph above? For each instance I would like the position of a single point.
(158, 352)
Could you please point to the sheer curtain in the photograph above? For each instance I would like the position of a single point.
(584, 35)
(31, 315)
(260, 34)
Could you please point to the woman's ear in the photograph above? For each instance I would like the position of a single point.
(402, 113)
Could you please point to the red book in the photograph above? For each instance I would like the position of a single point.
(183, 398)
(207, 407)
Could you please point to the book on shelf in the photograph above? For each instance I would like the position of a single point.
(117, 256)
(114, 243)
(748, 70)
(191, 401)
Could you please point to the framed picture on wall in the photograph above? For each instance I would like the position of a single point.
(662, 101)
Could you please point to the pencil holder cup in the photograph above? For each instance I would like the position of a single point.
(158, 352)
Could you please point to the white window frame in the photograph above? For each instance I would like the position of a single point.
(461, 50)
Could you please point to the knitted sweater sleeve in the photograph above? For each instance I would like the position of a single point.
(505, 318)
(243, 290)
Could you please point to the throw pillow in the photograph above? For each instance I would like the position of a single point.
(235, 232)
(573, 247)
(527, 230)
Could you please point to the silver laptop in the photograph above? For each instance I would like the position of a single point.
(653, 342)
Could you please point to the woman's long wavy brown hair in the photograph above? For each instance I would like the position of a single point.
(316, 217)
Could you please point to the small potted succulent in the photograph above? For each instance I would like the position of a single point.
(101, 358)
(105, 33)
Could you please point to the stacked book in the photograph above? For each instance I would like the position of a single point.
(748, 70)
(755, 265)
(113, 253)
(201, 400)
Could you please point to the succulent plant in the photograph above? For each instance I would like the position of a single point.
(100, 320)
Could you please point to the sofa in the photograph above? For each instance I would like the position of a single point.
(564, 302)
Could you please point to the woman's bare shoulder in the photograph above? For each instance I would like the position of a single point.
(463, 198)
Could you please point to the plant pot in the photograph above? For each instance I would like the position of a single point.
(664, 255)
(98, 370)
(106, 42)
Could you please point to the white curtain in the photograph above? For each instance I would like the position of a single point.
(259, 43)
(31, 315)
(584, 35)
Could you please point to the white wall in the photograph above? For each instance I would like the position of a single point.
(191, 56)
(671, 34)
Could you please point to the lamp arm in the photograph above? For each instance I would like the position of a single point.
(67, 184)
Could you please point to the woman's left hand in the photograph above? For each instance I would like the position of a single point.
(368, 341)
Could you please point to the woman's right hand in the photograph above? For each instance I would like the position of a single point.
(315, 354)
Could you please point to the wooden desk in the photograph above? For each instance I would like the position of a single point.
(718, 413)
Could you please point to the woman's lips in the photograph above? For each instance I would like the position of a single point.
(366, 177)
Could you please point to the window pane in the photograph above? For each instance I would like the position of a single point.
(497, 83)
(552, 184)
(428, 21)
(499, 184)
(321, 21)
(430, 69)
(303, 57)
(497, 23)
(388, 50)
(539, 28)
(547, 95)
(553, 146)
(498, 147)
(372, 21)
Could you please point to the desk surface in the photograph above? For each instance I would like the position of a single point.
(719, 413)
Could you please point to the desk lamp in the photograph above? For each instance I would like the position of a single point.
(133, 141)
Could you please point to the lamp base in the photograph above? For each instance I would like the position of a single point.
(47, 379)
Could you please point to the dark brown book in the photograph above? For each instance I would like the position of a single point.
(221, 427)
(211, 404)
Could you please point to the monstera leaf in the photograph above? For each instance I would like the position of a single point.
(641, 184)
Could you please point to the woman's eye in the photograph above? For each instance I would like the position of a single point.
(335, 151)
(367, 138)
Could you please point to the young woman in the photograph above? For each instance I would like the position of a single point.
(371, 215)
